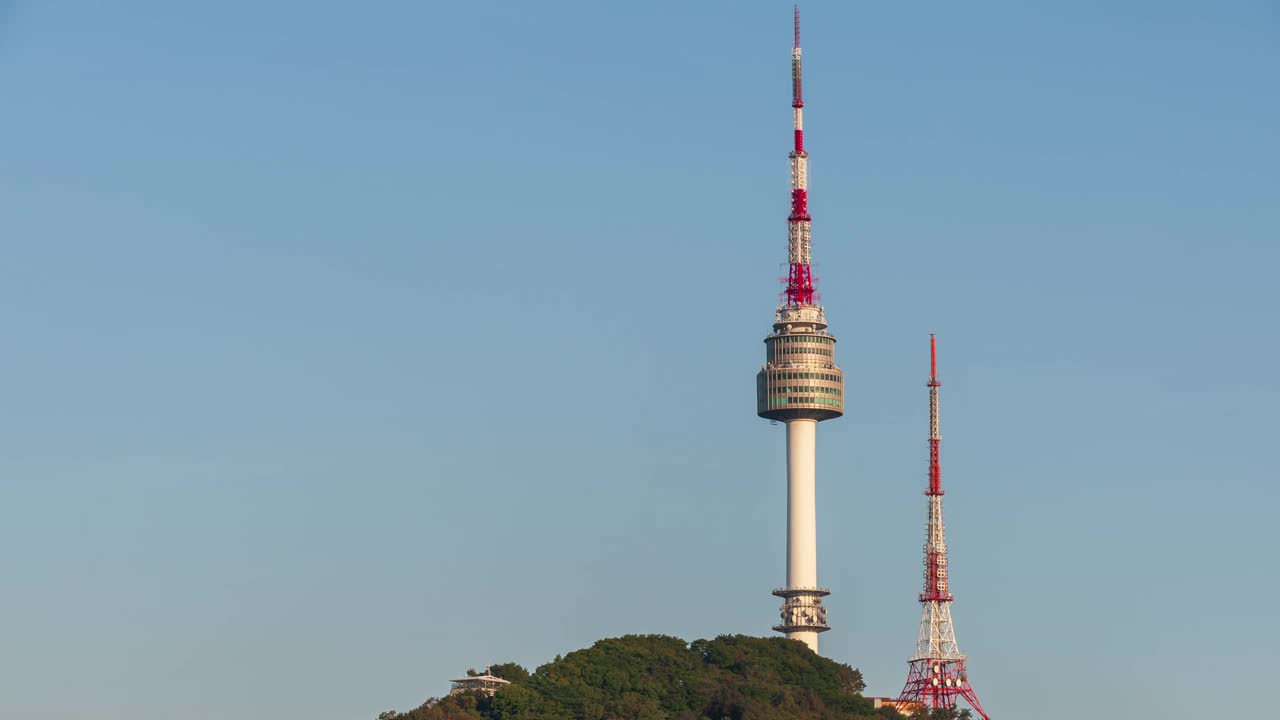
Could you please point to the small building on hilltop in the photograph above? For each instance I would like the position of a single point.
(484, 683)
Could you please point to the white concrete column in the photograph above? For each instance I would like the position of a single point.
(802, 530)
(802, 526)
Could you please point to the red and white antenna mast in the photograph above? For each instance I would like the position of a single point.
(937, 676)
(799, 276)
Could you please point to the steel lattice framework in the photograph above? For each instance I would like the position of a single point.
(799, 275)
(937, 676)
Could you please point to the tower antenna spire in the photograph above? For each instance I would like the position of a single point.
(797, 14)
(937, 675)
(800, 385)
(800, 287)
(933, 357)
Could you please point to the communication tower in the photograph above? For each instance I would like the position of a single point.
(801, 386)
(937, 676)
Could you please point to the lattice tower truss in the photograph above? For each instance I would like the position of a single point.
(937, 675)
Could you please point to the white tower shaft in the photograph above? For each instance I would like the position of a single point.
(802, 505)
(802, 514)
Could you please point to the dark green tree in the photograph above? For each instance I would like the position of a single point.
(509, 671)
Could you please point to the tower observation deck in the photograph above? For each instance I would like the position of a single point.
(800, 385)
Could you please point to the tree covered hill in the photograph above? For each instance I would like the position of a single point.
(656, 677)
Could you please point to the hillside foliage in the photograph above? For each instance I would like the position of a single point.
(656, 677)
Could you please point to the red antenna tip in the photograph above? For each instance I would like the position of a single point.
(933, 357)
(797, 10)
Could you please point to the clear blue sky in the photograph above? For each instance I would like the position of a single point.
(348, 345)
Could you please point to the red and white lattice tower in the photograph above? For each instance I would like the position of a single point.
(800, 385)
(937, 677)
